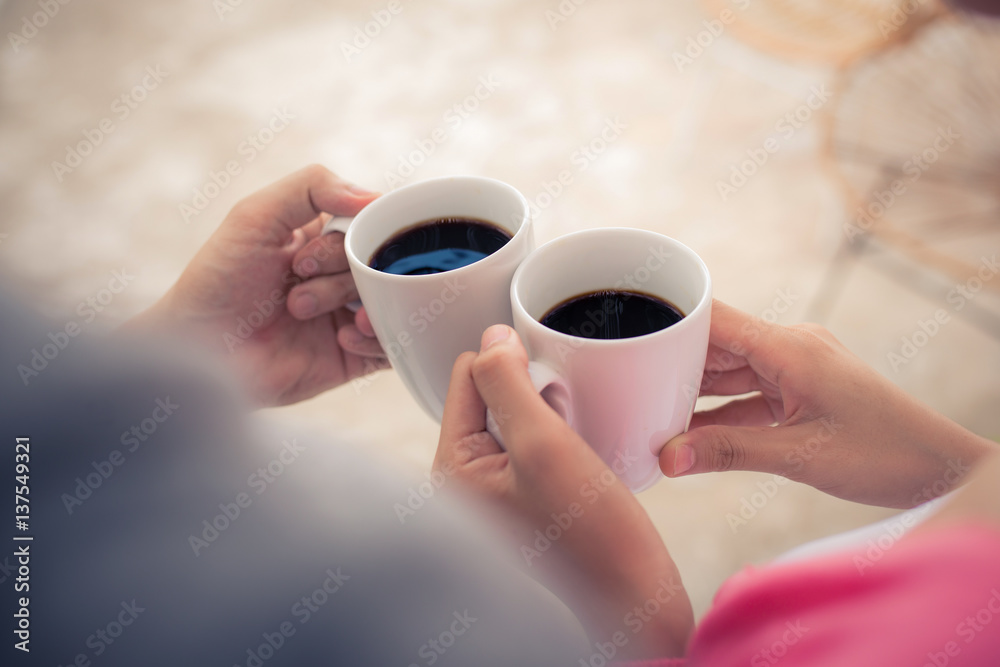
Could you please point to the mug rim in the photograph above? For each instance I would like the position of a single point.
(704, 300)
(362, 265)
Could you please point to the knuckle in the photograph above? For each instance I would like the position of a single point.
(463, 363)
(333, 243)
(814, 329)
(466, 358)
(494, 359)
(814, 338)
(727, 453)
(489, 365)
(318, 171)
(498, 365)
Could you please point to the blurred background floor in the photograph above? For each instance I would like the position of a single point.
(362, 106)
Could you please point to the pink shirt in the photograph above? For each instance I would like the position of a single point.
(931, 599)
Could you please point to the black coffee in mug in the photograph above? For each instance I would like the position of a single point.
(438, 245)
(609, 314)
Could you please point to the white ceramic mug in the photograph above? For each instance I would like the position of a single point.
(626, 397)
(424, 322)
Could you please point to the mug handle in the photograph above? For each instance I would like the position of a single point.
(554, 391)
(341, 225)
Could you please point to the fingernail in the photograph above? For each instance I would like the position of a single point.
(307, 305)
(360, 191)
(494, 335)
(683, 459)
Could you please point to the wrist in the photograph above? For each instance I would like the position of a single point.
(643, 611)
(157, 319)
(956, 450)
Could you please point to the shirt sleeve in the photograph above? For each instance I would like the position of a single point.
(930, 598)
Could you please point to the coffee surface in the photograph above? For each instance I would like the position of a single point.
(438, 245)
(610, 314)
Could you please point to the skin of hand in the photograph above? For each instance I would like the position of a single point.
(841, 427)
(549, 476)
(268, 292)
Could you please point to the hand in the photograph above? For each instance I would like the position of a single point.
(575, 515)
(268, 291)
(841, 427)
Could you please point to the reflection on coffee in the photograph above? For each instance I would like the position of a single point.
(434, 246)
(610, 314)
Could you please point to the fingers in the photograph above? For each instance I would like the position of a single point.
(721, 359)
(314, 228)
(321, 256)
(740, 381)
(321, 295)
(359, 338)
(364, 324)
(464, 410)
(743, 335)
(463, 425)
(296, 200)
(356, 342)
(752, 411)
(501, 376)
(722, 448)
(361, 359)
(819, 331)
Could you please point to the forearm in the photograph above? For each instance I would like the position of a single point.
(949, 452)
(630, 594)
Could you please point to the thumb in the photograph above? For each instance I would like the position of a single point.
(722, 448)
(500, 373)
(277, 210)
